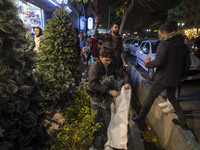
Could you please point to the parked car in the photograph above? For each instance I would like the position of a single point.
(134, 46)
(126, 44)
(147, 49)
(194, 72)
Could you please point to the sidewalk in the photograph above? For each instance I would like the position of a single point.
(171, 136)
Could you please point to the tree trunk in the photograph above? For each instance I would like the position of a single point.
(131, 6)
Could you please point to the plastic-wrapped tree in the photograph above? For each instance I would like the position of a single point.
(21, 106)
(58, 68)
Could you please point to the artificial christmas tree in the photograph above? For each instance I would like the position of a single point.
(21, 106)
(58, 61)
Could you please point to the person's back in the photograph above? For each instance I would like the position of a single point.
(174, 66)
(172, 62)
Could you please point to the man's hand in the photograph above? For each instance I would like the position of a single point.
(145, 64)
(114, 93)
(127, 86)
(96, 20)
(124, 64)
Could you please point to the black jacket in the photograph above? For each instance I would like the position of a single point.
(101, 81)
(172, 60)
(97, 71)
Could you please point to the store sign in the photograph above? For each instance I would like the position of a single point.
(90, 23)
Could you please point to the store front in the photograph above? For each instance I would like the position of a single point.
(31, 15)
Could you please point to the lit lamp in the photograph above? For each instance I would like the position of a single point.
(90, 23)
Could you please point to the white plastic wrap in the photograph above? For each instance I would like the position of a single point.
(118, 127)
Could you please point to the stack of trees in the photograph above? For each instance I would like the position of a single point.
(22, 110)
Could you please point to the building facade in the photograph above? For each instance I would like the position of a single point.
(187, 15)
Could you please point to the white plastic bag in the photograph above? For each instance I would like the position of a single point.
(118, 127)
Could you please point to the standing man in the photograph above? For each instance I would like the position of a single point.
(172, 62)
(102, 90)
(113, 40)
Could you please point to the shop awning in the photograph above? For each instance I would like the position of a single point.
(46, 5)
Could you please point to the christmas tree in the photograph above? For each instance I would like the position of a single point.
(58, 69)
(21, 106)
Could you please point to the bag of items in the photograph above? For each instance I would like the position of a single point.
(118, 127)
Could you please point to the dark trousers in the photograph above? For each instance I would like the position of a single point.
(106, 118)
(155, 90)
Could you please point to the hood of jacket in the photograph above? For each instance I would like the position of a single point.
(171, 35)
(176, 38)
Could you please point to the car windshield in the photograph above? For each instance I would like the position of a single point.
(154, 46)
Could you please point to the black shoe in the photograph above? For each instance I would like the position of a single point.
(185, 127)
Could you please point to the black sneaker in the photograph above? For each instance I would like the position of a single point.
(185, 127)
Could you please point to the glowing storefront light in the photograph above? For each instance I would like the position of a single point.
(53, 2)
(59, 1)
(90, 23)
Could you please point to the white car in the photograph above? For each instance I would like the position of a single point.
(194, 72)
(134, 46)
(147, 49)
(126, 44)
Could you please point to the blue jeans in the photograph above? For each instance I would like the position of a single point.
(106, 118)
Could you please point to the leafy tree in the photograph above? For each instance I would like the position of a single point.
(123, 11)
(21, 106)
(58, 69)
(78, 129)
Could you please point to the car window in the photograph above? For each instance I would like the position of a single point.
(142, 45)
(154, 46)
(146, 48)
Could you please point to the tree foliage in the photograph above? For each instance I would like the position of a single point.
(58, 69)
(79, 127)
(21, 107)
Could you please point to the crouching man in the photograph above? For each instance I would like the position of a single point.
(103, 89)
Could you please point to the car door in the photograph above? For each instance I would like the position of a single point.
(146, 51)
(140, 54)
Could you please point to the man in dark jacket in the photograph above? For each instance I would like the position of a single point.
(172, 62)
(102, 88)
(114, 40)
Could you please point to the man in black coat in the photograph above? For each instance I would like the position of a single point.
(172, 62)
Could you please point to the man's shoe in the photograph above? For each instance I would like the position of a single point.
(164, 104)
(169, 109)
(185, 127)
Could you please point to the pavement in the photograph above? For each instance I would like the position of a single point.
(171, 136)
